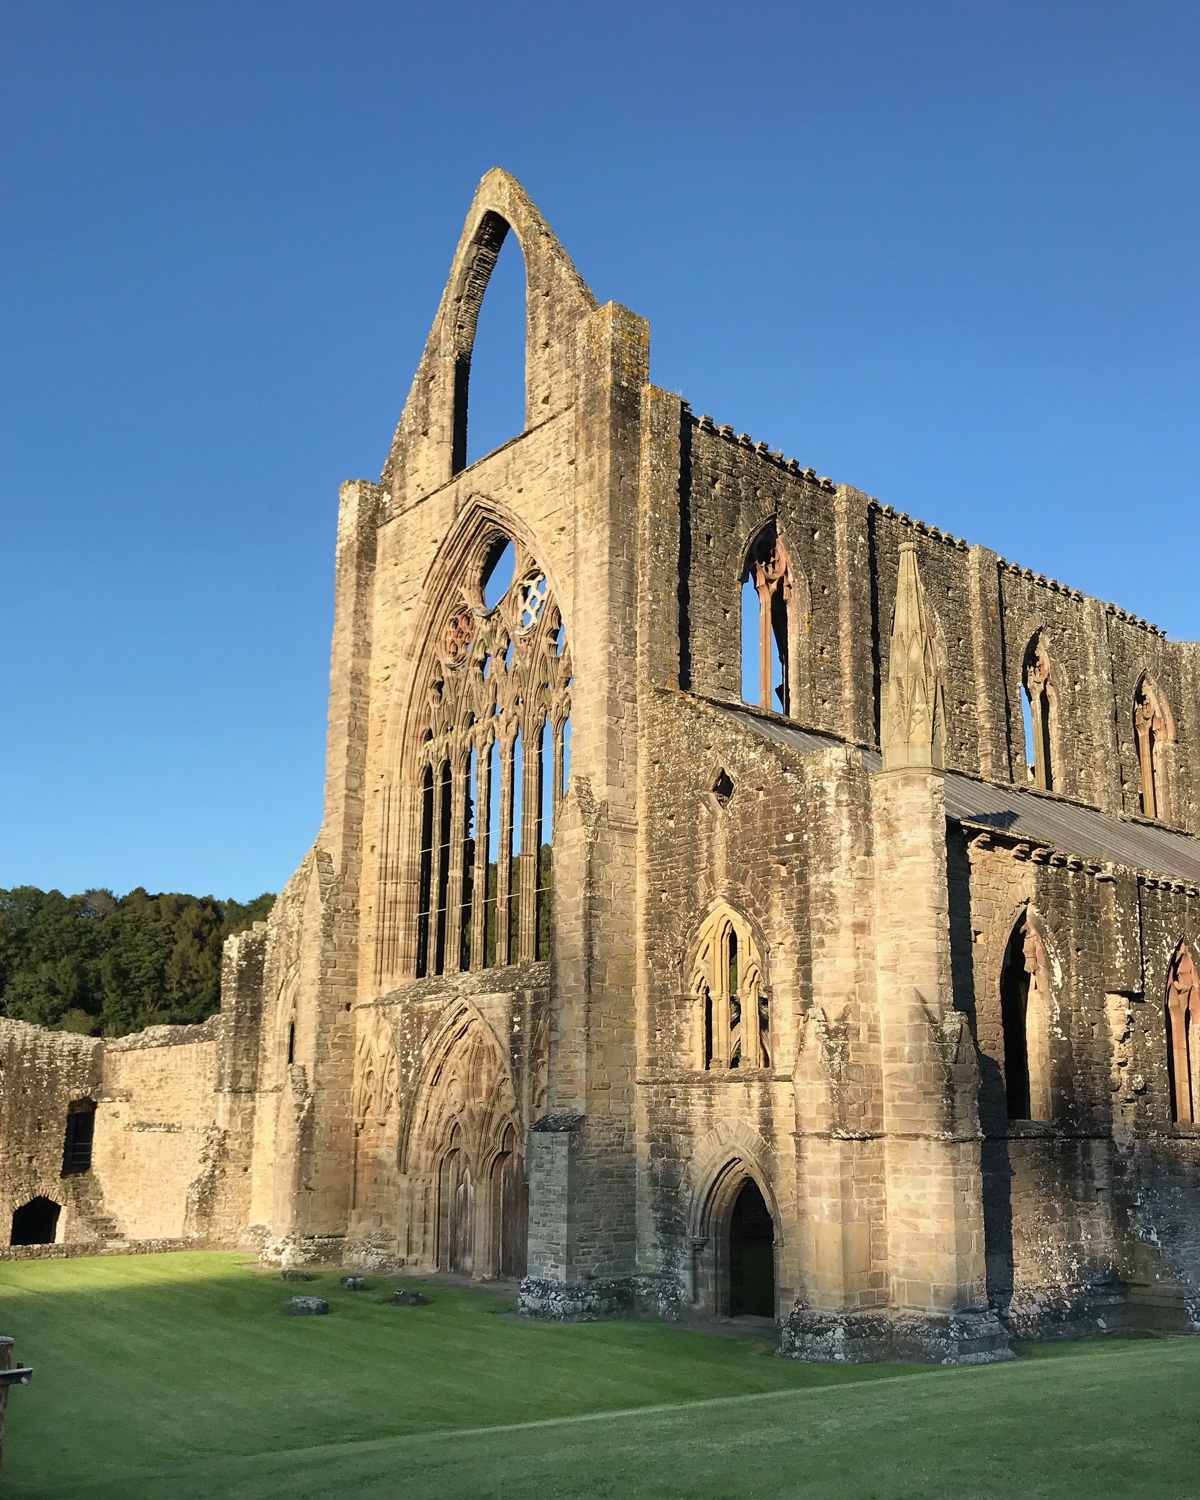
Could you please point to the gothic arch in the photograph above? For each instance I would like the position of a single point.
(770, 564)
(483, 724)
(735, 1157)
(1026, 985)
(374, 1108)
(725, 974)
(1181, 1004)
(462, 1148)
(1154, 736)
(429, 446)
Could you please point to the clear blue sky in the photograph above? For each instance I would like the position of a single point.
(946, 252)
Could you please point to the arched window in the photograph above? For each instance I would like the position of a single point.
(1025, 1009)
(489, 368)
(497, 707)
(1154, 731)
(733, 1010)
(767, 588)
(1183, 1050)
(1041, 719)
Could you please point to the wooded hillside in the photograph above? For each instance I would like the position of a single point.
(107, 965)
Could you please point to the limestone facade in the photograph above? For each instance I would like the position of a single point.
(858, 1004)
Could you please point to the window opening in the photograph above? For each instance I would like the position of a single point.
(516, 845)
(425, 872)
(1025, 1020)
(751, 1255)
(498, 576)
(1152, 729)
(35, 1222)
(766, 595)
(77, 1141)
(1183, 1055)
(291, 1043)
(442, 852)
(1040, 691)
(733, 1010)
(492, 767)
(495, 394)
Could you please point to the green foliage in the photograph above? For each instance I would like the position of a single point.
(107, 965)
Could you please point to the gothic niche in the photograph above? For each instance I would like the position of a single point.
(468, 1160)
(733, 1010)
(1183, 1054)
(483, 781)
(375, 1107)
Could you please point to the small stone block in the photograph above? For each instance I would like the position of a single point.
(402, 1297)
(354, 1283)
(309, 1306)
(296, 1276)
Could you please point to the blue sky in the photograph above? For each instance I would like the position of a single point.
(946, 252)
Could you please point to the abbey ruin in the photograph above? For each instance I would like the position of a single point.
(868, 1005)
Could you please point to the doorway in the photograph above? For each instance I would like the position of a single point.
(751, 1255)
(35, 1222)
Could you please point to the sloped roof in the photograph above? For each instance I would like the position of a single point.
(1020, 813)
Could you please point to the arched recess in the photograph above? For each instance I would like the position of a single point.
(776, 626)
(463, 1153)
(375, 1109)
(1154, 738)
(1041, 714)
(1182, 1006)
(722, 1273)
(429, 446)
(732, 1009)
(463, 879)
(1026, 1012)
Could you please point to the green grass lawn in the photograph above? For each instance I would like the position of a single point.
(176, 1377)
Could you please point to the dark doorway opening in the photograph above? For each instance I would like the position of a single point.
(751, 1255)
(35, 1222)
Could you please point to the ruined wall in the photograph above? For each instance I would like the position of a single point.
(41, 1074)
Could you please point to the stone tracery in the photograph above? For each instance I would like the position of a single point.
(490, 767)
(1154, 729)
(727, 980)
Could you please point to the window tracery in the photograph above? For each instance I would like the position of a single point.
(733, 1008)
(1183, 1052)
(490, 770)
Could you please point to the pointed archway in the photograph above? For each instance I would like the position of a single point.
(465, 1157)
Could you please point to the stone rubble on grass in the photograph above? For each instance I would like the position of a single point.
(308, 1306)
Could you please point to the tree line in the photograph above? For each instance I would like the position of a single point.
(107, 965)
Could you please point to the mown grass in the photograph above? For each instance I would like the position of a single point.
(177, 1377)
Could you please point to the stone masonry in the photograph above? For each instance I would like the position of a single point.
(865, 1004)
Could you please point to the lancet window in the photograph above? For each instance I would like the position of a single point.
(1025, 1010)
(490, 771)
(1183, 1049)
(1041, 713)
(1153, 729)
(732, 1006)
(768, 585)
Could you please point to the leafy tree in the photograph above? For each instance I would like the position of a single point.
(107, 965)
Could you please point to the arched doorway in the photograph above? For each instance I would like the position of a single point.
(35, 1222)
(751, 1254)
